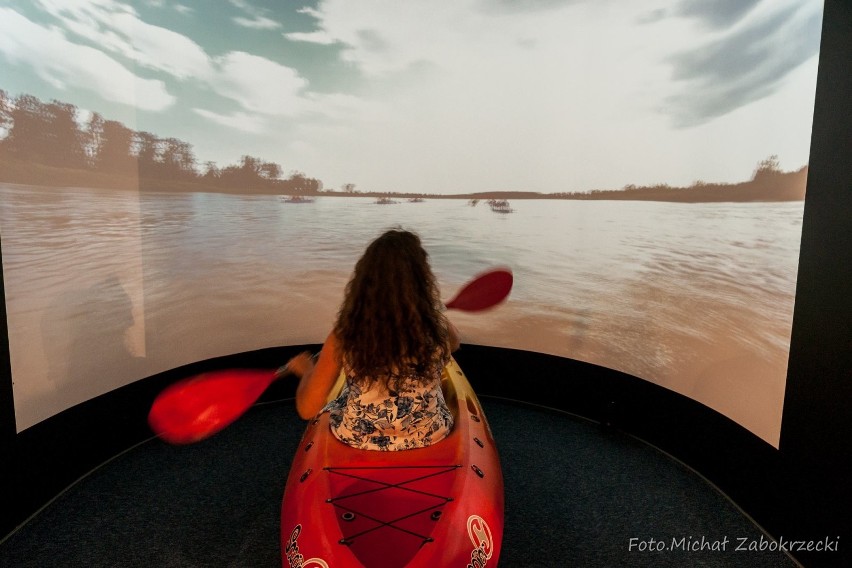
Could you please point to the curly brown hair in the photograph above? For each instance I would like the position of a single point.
(391, 318)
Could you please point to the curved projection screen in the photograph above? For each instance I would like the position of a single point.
(180, 182)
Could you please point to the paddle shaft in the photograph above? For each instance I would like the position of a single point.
(198, 407)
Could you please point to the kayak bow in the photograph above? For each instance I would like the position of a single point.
(436, 506)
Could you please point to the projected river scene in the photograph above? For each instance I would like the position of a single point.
(178, 185)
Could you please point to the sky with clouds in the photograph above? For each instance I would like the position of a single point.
(439, 97)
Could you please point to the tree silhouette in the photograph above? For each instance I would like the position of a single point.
(146, 148)
(33, 132)
(768, 168)
(299, 183)
(114, 152)
(42, 133)
(93, 138)
(178, 160)
(252, 172)
(211, 171)
(5, 115)
(27, 138)
(64, 141)
(270, 170)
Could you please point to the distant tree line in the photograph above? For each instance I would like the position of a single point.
(45, 143)
(48, 135)
(768, 183)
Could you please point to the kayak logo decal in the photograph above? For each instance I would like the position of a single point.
(483, 543)
(295, 558)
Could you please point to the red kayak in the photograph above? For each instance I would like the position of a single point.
(429, 507)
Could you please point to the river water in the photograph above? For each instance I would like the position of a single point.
(104, 287)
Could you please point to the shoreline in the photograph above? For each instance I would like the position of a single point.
(779, 187)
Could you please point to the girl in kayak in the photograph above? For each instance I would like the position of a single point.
(392, 340)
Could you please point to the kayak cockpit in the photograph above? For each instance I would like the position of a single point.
(439, 505)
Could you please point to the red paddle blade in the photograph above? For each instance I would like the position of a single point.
(485, 291)
(195, 408)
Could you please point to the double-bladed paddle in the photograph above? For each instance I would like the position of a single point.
(197, 407)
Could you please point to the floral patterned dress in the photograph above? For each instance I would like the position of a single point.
(411, 414)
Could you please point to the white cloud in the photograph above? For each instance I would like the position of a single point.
(251, 123)
(542, 99)
(268, 93)
(338, 106)
(508, 96)
(320, 38)
(257, 23)
(744, 63)
(382, 37)
(257, 19)
(65, 64)
(243, 5)
(116, 27)
(258, 84)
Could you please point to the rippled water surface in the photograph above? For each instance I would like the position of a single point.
(104, 287)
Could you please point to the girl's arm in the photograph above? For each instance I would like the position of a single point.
(455, 341)
(316, 379)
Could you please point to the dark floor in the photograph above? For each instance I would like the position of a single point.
(576, 495)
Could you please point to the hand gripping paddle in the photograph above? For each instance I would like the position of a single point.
(197, 407)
